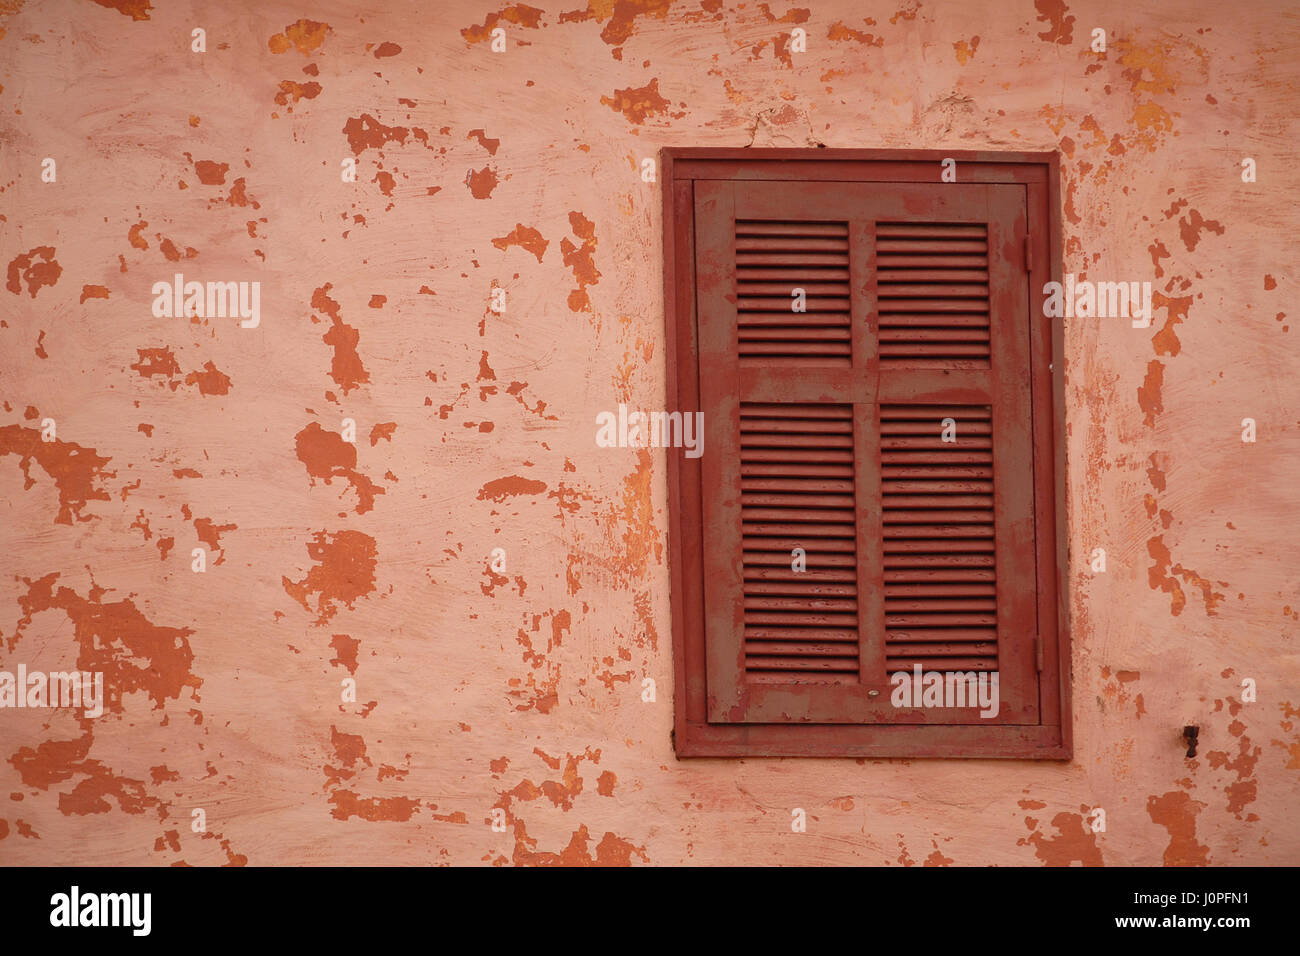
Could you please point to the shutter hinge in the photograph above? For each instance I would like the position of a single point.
(1029, 256)
(1038, 652)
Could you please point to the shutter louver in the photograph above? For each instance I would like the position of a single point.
(933, 289)
(939, 554)
(772, 260)
(797, 491)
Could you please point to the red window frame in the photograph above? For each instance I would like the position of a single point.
(694, 735)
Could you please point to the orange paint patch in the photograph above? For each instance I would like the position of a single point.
(375, 809)
(501, 488)
(386, 49)
(1074, 841)
(211, 381)
(211, 173)
(966, 50)
(135, 9)
(526, 237)
(1165, 340)
(345, 368)
(610, 851)
(489, 144)
(344, 572)
(25, 267)
(135, 236)
(382, 430)
(1158, 252)
(622, 16)
(75, 470)
(481, 182)
(637, 103)
(305, 36)
(1148, 393)
(581, 260)
(1191, 228)
(839, 31)
(93, 292)
(520, 14)
(1060, 28)
(345, 651)
(1176, 812)
(210, 534)
(326, 455)
(132, 652)
(1163, 577)
(365, 132)
(292, 92)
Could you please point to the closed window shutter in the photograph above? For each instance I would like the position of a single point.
(825, 444)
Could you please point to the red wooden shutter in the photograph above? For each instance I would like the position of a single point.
(824, 432)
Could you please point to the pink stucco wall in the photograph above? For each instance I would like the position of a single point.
(522, 690)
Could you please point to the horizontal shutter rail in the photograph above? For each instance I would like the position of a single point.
(773, 259)
(932, 295)
(937, 515)
(797, 492)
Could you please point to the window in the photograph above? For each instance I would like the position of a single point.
(868, 559)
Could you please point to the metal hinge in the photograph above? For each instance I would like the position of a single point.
(1038, 652)
(1029, 256)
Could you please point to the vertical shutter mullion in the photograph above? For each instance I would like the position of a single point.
(866, 450)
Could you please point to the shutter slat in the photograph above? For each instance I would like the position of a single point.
(751, 300)
(746, 246)
(760, 228)
(944, 663)
(931, 230)
(815, 290)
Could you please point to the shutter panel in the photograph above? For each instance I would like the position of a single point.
(825, 431)
(796, 491)
(774, 258)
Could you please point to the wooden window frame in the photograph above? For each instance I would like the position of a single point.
(693, 735)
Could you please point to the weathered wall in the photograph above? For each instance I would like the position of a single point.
(522, 690)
